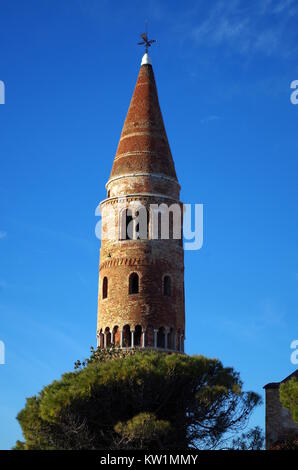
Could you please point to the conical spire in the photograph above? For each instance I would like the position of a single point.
(143, 145)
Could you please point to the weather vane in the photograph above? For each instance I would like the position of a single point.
(145, 41)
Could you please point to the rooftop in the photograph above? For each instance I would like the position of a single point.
(277, 384)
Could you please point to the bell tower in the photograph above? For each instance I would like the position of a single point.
(141, 272)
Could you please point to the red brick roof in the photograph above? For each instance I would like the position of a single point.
(143, 145)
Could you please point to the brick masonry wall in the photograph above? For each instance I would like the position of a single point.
(279, 422)
(151, 260)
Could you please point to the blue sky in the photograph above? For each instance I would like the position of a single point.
(223, 71)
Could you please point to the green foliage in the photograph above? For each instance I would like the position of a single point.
(252, 440)
(289, 442)
(19, 446)
(288, 393)
(138, 400)
(142, 431)
(36, 431)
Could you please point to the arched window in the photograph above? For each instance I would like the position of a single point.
(133, 283)
(134, 223)
(105, 288)
(167, 286)
(125, 225)
(108, 337)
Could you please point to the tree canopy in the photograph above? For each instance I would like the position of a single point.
(288, 392)
(149, 400)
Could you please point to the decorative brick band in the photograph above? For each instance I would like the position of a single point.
(136, 197)
(150, 134)
(133, 262)
(151, 175)
(139, 153)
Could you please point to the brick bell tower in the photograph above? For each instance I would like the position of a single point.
(141, 278)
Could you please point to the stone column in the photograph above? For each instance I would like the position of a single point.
(166, 337)
(155, 338)
(112, 337)
(132, 339)
(121, 339)
(98, 340)
(143, 339)
(105, 340)
(175, 339)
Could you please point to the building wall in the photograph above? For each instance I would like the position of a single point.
(279, 422)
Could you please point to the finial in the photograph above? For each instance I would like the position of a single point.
(145, 41)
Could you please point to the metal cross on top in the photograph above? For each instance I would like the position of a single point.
(145, 41)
